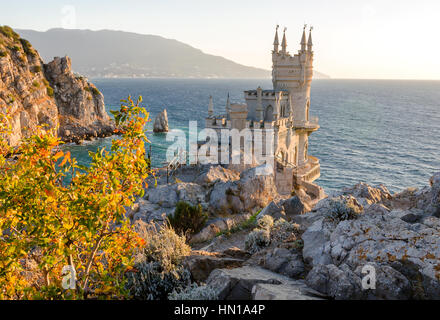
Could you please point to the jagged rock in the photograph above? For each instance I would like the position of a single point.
(24, 89)
(48, 95)
(163, 195)
(80, 104)
(241, 284)
(251, 192)
(366, 194)
(273, 210)
(406, 255)
(161, 122)
(192, 193)
(215, 174)
(202, 263)
(295, 206)
(283, 261)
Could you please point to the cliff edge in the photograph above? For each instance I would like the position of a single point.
(47, 94)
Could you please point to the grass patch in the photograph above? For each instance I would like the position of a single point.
(8, 32)
(36, 69)
(49, 91)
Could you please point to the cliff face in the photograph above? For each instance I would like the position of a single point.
(81, 109)
(50, 95)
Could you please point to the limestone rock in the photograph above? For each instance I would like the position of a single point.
(295, 206)
(273, 210)
(161, 122)
(283, 261)
(251, 192)
(241, 284)
(47, 95)
(80, 104)
(217, 174)
(403, 245)
(202, 263)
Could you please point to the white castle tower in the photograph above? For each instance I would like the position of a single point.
(286, 110)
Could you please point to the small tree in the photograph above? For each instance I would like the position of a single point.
(187, 218)
(46, 223)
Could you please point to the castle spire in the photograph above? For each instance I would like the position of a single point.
(310, 42)
(210, 107)
(284, 42)
(303, 39)
(275, 41)
(228, 106)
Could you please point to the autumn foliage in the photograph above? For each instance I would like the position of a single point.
(54, 212)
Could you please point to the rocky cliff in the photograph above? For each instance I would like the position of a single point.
(46, 95)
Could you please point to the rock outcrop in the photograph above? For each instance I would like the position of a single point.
(81, 108)
(161, 122)
(35, 94)
(401, 242)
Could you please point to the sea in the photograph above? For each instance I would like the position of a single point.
(375, 131)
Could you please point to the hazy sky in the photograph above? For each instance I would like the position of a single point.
(353, 39)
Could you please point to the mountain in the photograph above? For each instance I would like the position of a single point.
(108, 53)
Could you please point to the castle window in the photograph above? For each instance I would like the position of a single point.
(268, 117)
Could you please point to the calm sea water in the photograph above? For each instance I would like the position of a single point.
(373, 131)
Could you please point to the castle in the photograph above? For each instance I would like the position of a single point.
(285, 109)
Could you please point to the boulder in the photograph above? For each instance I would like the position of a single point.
(163, 195)
(295, 206)
(367, 194)
(273, 210)
(251, 192)
(216, 174)
(241, 284)
(161, 122)
(202, 263)
(283, 261)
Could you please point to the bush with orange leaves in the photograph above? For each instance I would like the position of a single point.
(47, 222)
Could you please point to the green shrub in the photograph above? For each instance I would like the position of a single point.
(49, 91)
(95, 91)
(194, 292)
(257, 240)
(36, 84)
(27, 47)
(36, 69)
(158, 267)
(187, 218)
(345, 208)
(8, 32)
(3, 53)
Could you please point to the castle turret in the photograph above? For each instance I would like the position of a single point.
(284, 43)
(228, 106)
(210, 107)
(310, 42)
(259, 109)
(303, 40)
(275, 41)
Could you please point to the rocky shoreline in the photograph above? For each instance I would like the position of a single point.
(309, 252)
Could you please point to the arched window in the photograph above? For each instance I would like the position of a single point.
(269, 114)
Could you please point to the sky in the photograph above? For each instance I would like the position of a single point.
(370, 39)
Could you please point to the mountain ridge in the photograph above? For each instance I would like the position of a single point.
(95, 55)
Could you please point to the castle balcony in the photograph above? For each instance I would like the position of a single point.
(311, 125)
(310, 171)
